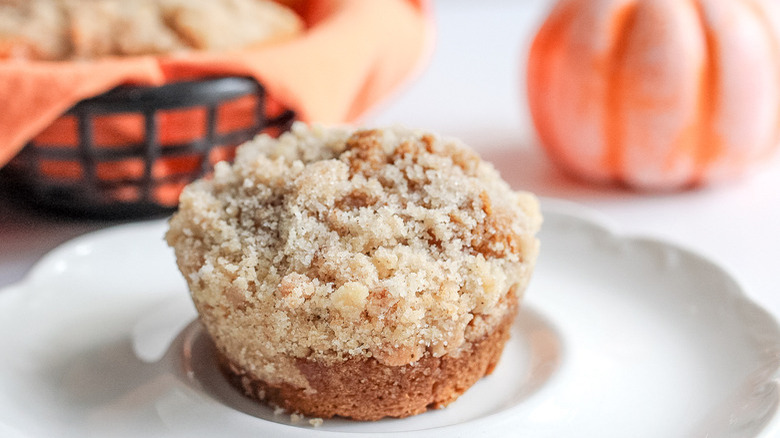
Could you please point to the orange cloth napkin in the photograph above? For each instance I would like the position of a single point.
(353, 54)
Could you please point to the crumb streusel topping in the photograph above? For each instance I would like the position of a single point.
(329, 243)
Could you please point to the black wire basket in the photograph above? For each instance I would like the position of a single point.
(142, 175)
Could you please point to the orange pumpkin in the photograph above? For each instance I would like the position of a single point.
(657, 94)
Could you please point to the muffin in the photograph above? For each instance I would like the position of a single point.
(358, 273)
(84, 29)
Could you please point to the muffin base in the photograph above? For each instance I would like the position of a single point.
(364, 389)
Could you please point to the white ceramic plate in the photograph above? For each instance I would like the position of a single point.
(619, 337)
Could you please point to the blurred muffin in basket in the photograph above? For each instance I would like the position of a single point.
(85, 29)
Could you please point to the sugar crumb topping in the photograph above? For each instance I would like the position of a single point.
(329, 243)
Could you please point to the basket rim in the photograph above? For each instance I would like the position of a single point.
(180, 94)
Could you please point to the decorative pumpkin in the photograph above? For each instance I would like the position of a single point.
(657, 94)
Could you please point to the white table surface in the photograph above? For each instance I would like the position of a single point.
(472, 89)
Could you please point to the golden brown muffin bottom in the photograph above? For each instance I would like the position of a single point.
(364, 389)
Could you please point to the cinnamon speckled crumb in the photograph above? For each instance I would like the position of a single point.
(329, 244)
